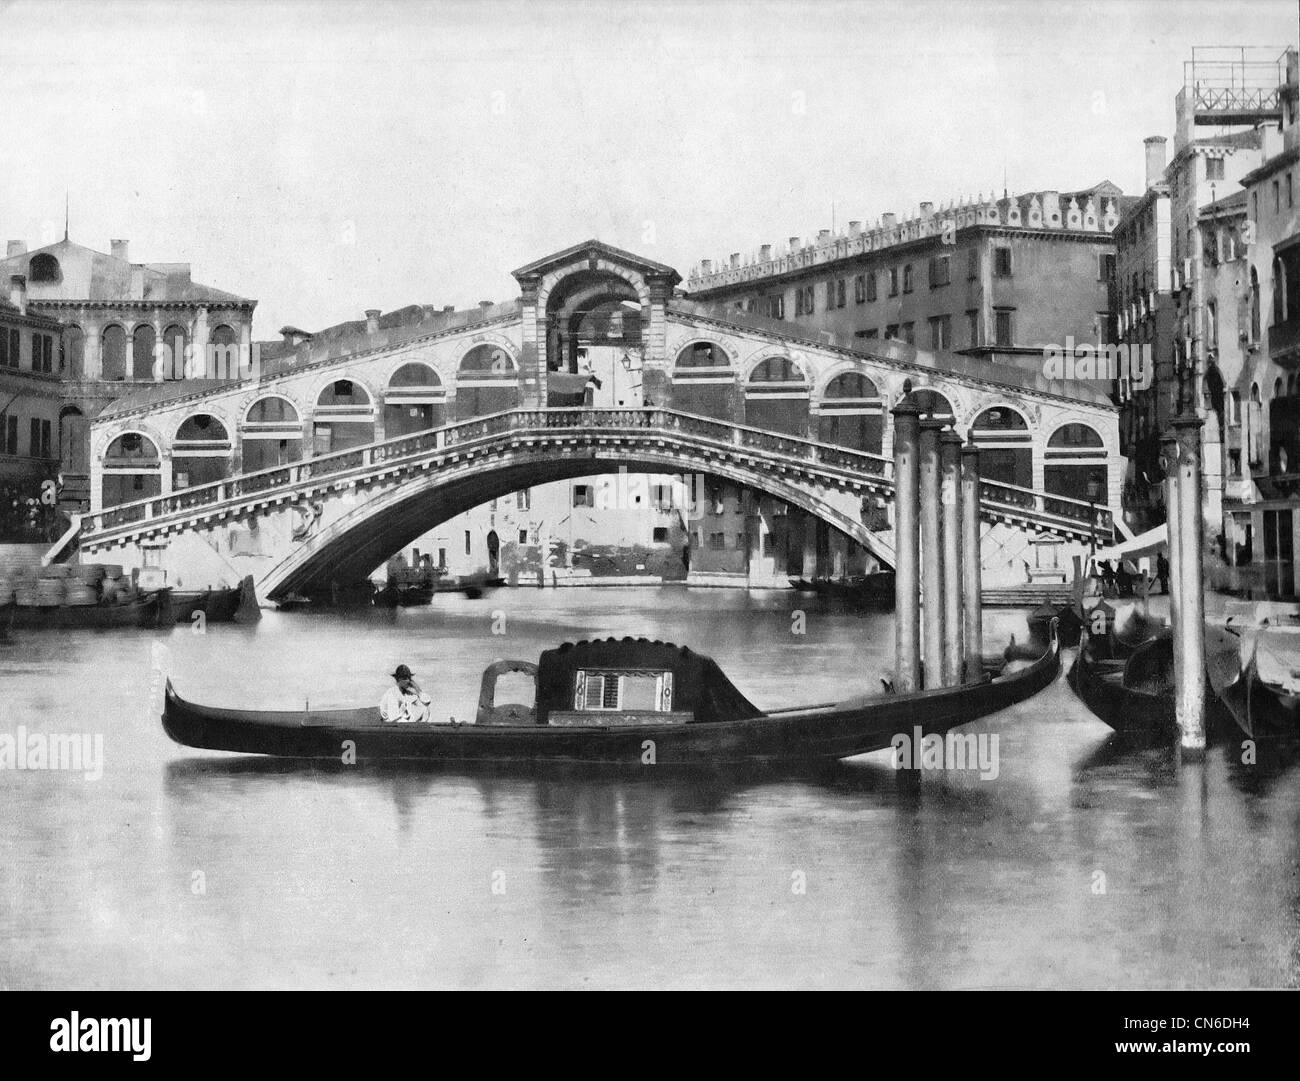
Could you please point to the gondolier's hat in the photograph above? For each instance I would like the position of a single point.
(402, 672)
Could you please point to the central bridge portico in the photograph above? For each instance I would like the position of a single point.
(321, 468)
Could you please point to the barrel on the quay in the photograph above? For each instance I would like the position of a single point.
(50, 592)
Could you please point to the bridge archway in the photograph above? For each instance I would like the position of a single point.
(777, 396)
(851, 413)
(270, 434)
(415, 400)
(132, 469)
(1006, 446)
(704, 380)
(487, 381)
(381, 522)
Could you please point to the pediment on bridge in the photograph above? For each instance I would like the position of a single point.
(593, 253)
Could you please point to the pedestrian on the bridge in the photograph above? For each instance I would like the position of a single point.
(405, 702)
(1107, 578)
(1162, 573)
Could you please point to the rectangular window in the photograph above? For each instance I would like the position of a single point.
(4, 347)
(907, 278)
(34, 446)
(442, 558)
(467, 542)
(972, 264)
(524, 499)
(909, 333)
(940, 271)
(893, 281)
(1277, 197)
(1290, 192)
(1002, 327)
(1002, 262)
(609, 691)
(860, 289)
(10, 432)
(660, 534)
(798, 303)
(1106, 266)
(742, 542)
(871, 332)
(973, 328)
(891, 331)
(830, 295)
(776, 307)
(839, 293)
(717, 542)
(15, 352)
(1213, 168)
(523, 536)
(583, 495)
(769, 544)
(941, 332)
(871, 286)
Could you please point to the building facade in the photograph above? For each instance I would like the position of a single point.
(995, 279)
(115, 315)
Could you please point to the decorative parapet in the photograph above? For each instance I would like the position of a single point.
(1034, 210)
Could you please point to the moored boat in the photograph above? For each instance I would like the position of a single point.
(1255, 673)
(140, 612)
(1134, 695)
(613, 702)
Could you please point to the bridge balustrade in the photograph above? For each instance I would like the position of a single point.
(463, 433)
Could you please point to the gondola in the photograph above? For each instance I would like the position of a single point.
(615, 702)
(1069, 623)
(1265, 705)
(801, 585)
(144, 612)
(1134, 695)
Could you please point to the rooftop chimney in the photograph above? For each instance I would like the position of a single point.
(118, 249)
(927, 209)
(822, 234)
(447, 309)
(889, 220)
(735, 258)
(794, 243)
(1155, 145)
(16, 247)
(765, 252)
(485, 304)
(855, 227)
(372, 320)
(18, 293)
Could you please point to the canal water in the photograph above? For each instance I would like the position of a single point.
(1079, 864)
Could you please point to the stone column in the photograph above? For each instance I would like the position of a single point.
(92, 349)
(1189, 632)
(950, 486)
(1169, 458)
(907, 551)
(972, 601)
(931, 554)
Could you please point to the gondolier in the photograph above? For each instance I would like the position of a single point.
(406, 702)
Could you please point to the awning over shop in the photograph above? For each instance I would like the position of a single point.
(1145, 544)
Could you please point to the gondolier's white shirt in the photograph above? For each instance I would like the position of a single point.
(403, 708)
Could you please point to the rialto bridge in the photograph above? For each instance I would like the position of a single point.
(356, 442)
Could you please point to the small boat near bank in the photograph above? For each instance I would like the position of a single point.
(1131, 690)
(144, 611)
(1255, 673)
(612, 702)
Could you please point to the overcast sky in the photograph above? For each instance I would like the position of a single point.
(327, 157)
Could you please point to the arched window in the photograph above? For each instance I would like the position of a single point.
(112, 352)
(776, 397)
(1075, 435)
(1006, 453)
(1254, 305)
(223, 334)
(200, 452)
(852, 414)
(486, 382)
(131, 470)
(415, 401)
(142, 343)
(44, 269)
(175, 339)
(704, 382)
(74, 352)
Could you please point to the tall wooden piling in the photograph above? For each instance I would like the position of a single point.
(951, 513)
(1189, 630)
(907, 548)
(1169, 457)
(932, 634)
(972, 602)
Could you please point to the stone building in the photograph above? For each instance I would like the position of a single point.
(31, 395)
(115, 313)
(995, 279)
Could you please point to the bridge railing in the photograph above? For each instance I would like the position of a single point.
(465, 434)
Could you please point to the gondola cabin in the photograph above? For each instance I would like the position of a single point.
(612, 683)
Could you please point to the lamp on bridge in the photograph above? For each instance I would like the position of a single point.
(1094, 497)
